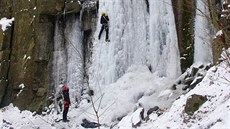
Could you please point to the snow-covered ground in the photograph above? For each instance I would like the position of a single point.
(139, 86)
(213, 114)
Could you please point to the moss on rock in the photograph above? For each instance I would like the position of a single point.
(193, 103)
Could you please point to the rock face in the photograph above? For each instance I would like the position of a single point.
(5, 43)
(191, 77)
(221, 20)
(6, 8)
(26, 49)
(184, 11)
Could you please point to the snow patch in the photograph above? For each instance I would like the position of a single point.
(1, 119)
(219, 33)
(4, 22)
(123, 96)
(26, 57)
(136, 116)
(21, 86)
(167, 93)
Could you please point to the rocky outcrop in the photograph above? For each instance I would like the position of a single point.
(221, 20)
(193, 103)
(55, 7)
(184, 11)
(26, 50)
(193, 76)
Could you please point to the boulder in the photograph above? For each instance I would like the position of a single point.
(194, 71)
(151, 110)
(88, 124)
(193, 103)
(188, 80)
(196, 81)
(137, 117)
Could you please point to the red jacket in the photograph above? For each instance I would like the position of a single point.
(65, 91)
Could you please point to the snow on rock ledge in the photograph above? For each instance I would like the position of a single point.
(214, 113)
(4, 23)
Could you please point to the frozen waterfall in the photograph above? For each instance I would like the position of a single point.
(203, 34)
(68, 55)
(141, 33)
(163, 39)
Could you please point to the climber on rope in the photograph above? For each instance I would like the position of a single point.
(105, 25)
(65, 92)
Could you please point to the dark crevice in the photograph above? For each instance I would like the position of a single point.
(86, 53)
(147, 5)
(87, 34)
(184, 13)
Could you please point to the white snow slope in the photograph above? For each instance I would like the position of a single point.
(116, 102)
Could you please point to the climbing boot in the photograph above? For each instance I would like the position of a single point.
(107, 40)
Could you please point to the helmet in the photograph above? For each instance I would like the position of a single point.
(65, 88)
(61, 85)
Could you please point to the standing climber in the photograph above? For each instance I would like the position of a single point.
(65, 92)
(105, 25)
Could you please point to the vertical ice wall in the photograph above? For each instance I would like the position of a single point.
(75, 59)
(128, 32)
(163, 39)
(68, 55)
(59, 56)
(203, 34)
(138, 37)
